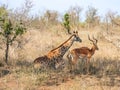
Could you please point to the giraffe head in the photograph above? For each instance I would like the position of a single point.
(76, 36)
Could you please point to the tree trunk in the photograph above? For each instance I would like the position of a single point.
(6, 51)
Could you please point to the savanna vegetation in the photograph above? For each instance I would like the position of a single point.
(24, 37)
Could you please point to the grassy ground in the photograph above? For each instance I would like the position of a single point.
(20, 75)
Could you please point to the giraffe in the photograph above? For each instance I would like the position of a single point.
(54, 58)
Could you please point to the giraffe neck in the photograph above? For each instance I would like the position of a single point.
(62, 49)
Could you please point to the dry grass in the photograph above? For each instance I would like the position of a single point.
(20, 75)
(104, 75)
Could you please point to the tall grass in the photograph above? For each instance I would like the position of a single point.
(101, 67)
